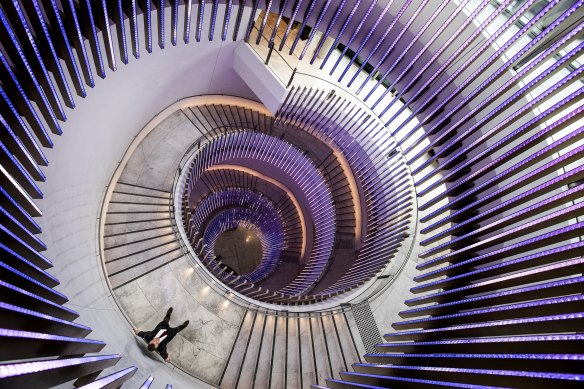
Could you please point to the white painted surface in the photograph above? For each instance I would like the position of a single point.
(265, 84)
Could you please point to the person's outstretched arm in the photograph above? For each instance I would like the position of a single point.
(143, 334)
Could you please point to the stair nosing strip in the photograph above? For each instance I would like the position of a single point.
(138, 241)
(143, 187)
(134, 221)
(141, 251)
(140, 194)
(148, 272)
(136, 231)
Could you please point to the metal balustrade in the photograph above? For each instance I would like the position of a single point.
(234, 208)
(218, 180)
(292, 163)
(271, 243)
(224, 117)
(384, 180)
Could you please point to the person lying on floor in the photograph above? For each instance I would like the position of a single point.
(161, 335)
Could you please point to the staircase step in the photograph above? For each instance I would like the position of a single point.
(23, 344)
(17, 318)
(572, 343)
(139, 217)
(114, 380)
(17, 296)
(536, 325)
(528, 362)
(139, 198)
(335, 353)
(113, 241)
(492, 378)
(293, 359)
(348, 346)
(11, 275)
(126, 244)
(558, 305)
(279, 354)
(141, 269)
(307, 354)
(130, 208)
(538, 291)
(53, 372)
(266, 356)
(129, 256)
(358, 380)
(322, 357)
(127, 187)
(253, 349)
(147, 383)
(237, 358)
(111, 230)
(547, 289)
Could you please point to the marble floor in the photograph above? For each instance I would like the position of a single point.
(203, 348)
(240, 249)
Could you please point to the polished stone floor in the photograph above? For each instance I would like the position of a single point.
(202, 349)
(240, 249)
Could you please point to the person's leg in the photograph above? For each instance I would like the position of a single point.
(168, 313)
(182, 326)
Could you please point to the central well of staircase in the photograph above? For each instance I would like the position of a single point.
(239, 249)
(310, 192)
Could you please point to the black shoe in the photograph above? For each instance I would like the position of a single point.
(168, 313)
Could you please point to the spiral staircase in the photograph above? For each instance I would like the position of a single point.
(474, 106)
